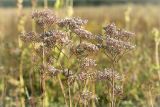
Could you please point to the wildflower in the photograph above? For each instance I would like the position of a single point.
(44, 18)
(88, 63)
(110, 29)
(30, 37)
(72, 23)
(84, 49)
(53, 37)
(52, 71)
(87, 96)
(83, 33)
(89, 47)
(107, 74)
(116, 47)
(120, 34)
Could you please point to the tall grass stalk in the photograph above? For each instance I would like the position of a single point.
(157, 42)
(63, 90)
(31, 77)
(21, 29)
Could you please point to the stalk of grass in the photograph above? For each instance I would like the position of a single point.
(31, 76)
(93, 91)
(63, 91)
(127, 17)
(21, 29)
(150, 97)
(21, 79)
(157, 42)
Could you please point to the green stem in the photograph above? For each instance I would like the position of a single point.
(157, 59)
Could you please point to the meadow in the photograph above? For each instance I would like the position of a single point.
(140, 67)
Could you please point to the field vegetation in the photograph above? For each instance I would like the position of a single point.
(20, 65)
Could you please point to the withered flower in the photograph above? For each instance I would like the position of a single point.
(53, 37)
(87, 96)
(72, 23)
(84, 34)
(52, 71)
(108, 74)
(88, 63)
(30, 37)
(120, 34)
(84, 49)
(44, 18)
(116, 47)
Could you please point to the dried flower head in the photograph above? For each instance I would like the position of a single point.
(72, 23)
(108, 74)
(44, 18)
(120, 34)
(52, 37)
(84, 48)
(88, 63)
(87, 96)
(83, 33)
(52, 71)
(110, 29)
(116, 41)
(115, 47)
(30, 37)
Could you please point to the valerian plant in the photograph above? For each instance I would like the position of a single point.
(66, 50)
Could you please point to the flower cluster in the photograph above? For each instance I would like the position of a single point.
(84, 49)
(116, 41)
(72, 23)
(73, 49)
(87, 96)
(82, 33)
(44, 18)
(88, 63)
(105, 75)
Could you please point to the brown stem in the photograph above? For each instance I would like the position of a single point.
(62, 88)
(113, 85)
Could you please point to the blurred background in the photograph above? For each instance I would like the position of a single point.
(141, 66)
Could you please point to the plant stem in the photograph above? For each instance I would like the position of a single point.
(21, 79)
(62, 88)
(93, 90)
(157, 59)
(70, 98)
(113, 85)
(150, 96)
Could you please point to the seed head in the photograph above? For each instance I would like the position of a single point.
(72, 23)
(84, 49)
(87, 96)
(52, 71)
(53, 37)
(107, 74)
(30, 37)
(83, 33)
(44, 18)
(88, 63)
(116, 47)
(120, 34)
